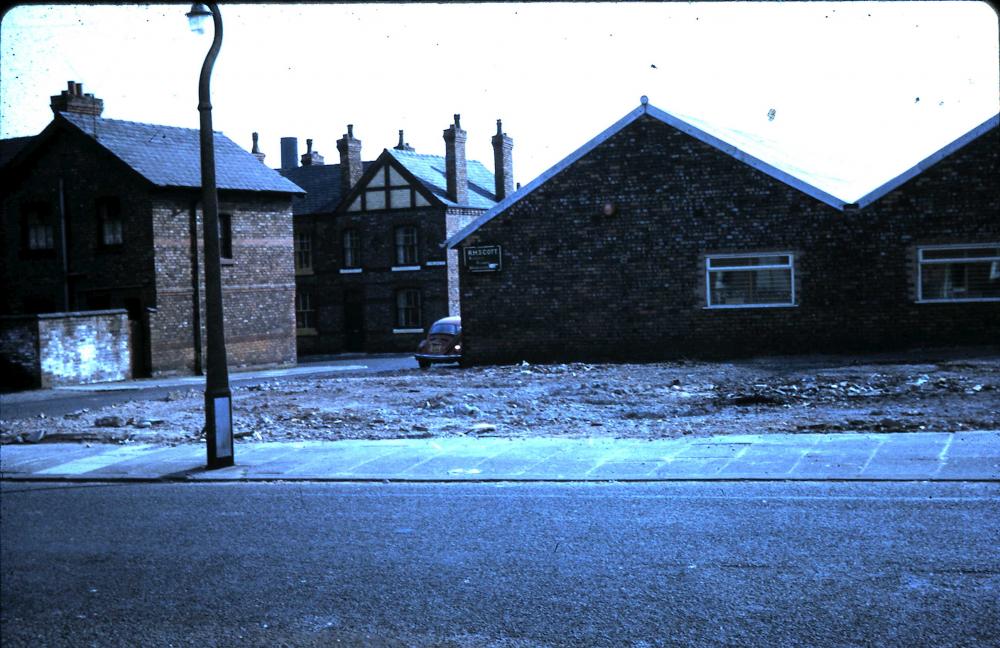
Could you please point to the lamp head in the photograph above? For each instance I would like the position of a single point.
(199, 17)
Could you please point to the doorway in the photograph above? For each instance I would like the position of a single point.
(354, 320)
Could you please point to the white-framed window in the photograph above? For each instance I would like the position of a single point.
(408, 308)
(406, 246)
(958, 273)
(750, 280)
(304, 312)
(351, 245)
(303, 252)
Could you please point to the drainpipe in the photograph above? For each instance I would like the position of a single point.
(195, 288)
(63, 244)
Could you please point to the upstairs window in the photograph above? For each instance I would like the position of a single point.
(408, 309)
(303, 252)
(959, 273)
(750, 281)
(109, 219)
(39, 232)
(351, 240)
(406, 246)
(226, 236)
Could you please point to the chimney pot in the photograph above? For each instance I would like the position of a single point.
(72, 100)
(503, 163)
(289, 152)
(311, 158)
(402, 146)
(256, 148)
(350, 160)
(456, 170)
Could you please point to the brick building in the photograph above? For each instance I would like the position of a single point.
(371, 272)
(101, 213)
(657, 240)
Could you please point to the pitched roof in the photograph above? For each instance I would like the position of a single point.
(11, 147)
(322, 185)
(430, 171)
(646, 109)
(168, 156)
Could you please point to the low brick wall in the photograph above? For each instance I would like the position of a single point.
(53, 349)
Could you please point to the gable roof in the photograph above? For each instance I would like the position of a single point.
(646, 109)
(168, 156)
(322, 185)
(430, 171)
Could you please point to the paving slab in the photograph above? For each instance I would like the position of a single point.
(864, 456)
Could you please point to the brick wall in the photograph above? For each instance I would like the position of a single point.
(56, 349)
(258, 283)
(578, 284)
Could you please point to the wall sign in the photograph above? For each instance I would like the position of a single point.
(483, 258)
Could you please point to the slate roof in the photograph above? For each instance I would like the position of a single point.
(168, 156)
(11, 147)
(430, 170)
(322, 185)
(646, 109)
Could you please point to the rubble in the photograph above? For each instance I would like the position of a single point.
(565, 400)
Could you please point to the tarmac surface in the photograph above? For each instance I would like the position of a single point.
(924, 456)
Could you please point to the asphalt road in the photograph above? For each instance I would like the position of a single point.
(55, 402)
(680, 564)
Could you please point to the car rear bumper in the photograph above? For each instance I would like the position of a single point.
(437, 357)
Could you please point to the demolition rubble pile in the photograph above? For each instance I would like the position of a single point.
(566, 400)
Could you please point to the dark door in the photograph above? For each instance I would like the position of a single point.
(354, 321)
(138, 319)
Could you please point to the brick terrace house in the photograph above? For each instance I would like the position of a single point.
(101, 213)
(657, 240)
(371, 272)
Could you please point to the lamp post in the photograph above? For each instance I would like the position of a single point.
(218, 398)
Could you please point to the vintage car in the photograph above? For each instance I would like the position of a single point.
(443, 343)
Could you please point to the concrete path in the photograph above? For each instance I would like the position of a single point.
(932, 456)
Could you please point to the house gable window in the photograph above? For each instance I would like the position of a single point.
(109, 219)
(408, 310)
(958, 273)
(303, 253)
(406, 246)
(351, 243)
(305, 315)
(387, 189)
(226, 236)
(750, 281)
(39, 231)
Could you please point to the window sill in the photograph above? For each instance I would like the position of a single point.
(351, 271)
(743, 306)
(965, 300)
(404, 331)
(406, 268)
(226, 262)
(304, 272)
(304, 332)
(431, 264)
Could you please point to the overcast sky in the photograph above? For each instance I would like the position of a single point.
(849, 94)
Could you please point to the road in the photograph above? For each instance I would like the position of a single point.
(55, 402)
(501, 565)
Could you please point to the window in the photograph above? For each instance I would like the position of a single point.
(109, 219)
(352, 248)
(959, 273)
(408, 315)
(406, 245)
(226, 236)
(303, 252)
(304, 313)
(39, 232)
(741, 281)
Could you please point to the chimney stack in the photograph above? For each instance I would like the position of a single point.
(503, 163)
(350, 160)
(311, 158)
(403, 146)
(255, 151)
(289, 152)
(454, 163)
(73, 100)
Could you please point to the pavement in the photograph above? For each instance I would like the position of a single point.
(911, 456)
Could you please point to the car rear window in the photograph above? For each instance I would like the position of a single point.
(446, 328)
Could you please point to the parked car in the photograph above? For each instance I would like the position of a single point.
(443, 343)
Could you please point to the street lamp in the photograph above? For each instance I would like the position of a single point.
(218, 398)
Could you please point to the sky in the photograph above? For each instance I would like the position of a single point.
(843, 94)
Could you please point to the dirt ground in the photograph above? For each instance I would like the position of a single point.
(568, 400)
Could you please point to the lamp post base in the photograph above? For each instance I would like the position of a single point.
(219, 429)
